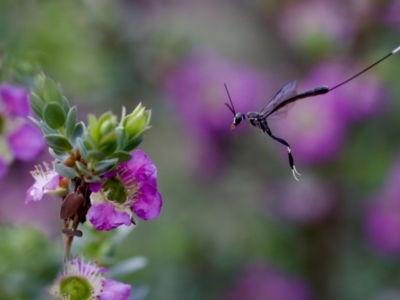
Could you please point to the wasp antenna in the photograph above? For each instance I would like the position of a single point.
(231, 107)
(366, 69)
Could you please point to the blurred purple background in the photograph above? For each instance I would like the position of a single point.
(235, 224)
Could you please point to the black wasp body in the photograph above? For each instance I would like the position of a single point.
(286, 96)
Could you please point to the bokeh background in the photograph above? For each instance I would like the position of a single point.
(235, 223)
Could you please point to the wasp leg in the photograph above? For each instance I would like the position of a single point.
(291, 161)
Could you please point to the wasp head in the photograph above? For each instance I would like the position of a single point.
(239, 117)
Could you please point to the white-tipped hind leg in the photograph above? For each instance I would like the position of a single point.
(294, 171)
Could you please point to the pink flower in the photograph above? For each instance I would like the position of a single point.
(20, 138)
(382, 223)
(260, 281)
(46, 182)
(86, 281)
(131, 188)
(316, 126)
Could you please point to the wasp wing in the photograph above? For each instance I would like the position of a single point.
(278, 101)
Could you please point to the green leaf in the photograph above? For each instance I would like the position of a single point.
(122, 137)
(132, 144)
(58, 142)
(78, 132)
(58, 154)
(105, 165)
(82, 149)
(93, 129)
(96, 155)
(46, 128)
(65, 171)
(121, 155)
(37, 105)
(50, 91)
(109, 148)
(36, 122)
(53, 115)
(83, 169)
(70, 122)
(65, 104)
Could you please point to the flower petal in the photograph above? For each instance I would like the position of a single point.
(105, 217)
(26, 143)
(149, 203)
(141, 167)
(95, 186)
(34, 193)
(3, 167)
(15, 99)
(114, 290)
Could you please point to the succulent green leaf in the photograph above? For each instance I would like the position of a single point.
(96, 155)
(64, 171)
(121, 155)
(46, 128)
(37, 105)
(110, 138)
(122, 137)
(58, 142)
(108, 148)
(82, 149)
(83, 169)
(78, 132)
(70, 122)
(93, 129)
(105, 165)
(132, 144)
(50, 91)
(58, 154)
(65, 104)
(53, 115)
(36, 122)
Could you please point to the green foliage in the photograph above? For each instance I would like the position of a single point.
(80, 151)
(28, 262)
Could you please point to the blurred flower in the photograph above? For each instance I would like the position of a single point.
(19, 138)
(304, 203)
(46, 182)
(392, 13)
(361, 98)
(131, 187)
(259, 281)
(81, 281)
(313, 22)
(382, 224)
(196, 89)
(317, 127)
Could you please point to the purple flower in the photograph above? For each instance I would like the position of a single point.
(132, 187)
(19, 138)
(196, 90)
(382, 223)
(356, 100)
(81, 281)
(317, 126)
(306, 22)
(391, 16)
(260, 281)
(304, 203)
(46, 182)
(313, 129)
